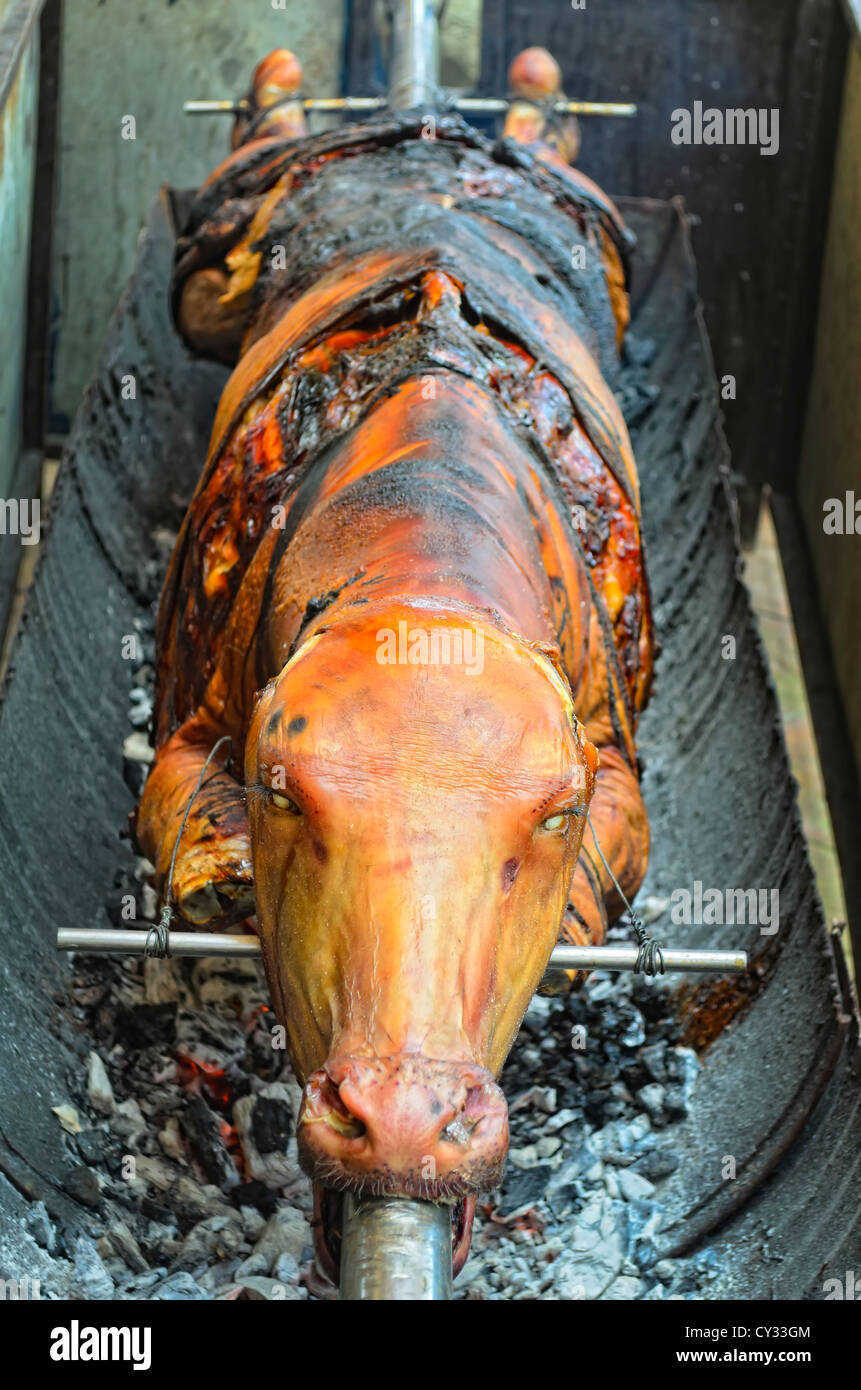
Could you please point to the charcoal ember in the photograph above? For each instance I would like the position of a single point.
(657, 1164)
(255, 1264)
(163, 982)
(140, 707)
(95, 1146)
(203, 1130)
(190, 1202)
(91, 1278)
(141, 1285)
(83, 1184)
(156, 1173)
(145, 1025)
(286, 1232)
(634, 1186)
(654, 1059)
(271, 1124)
(522, 1189)
(617, 1159)
(279, 1166)
(253, 1221)
(698, 1272)
(160, 1239)
(624, 1022)
(635, 1075)
(123, 1243)
(642, 1218)
(683, 1068)
(624, 1289)
(210, 1039)
(218, 1238)
(594, 1253)
(99, 1090)
(652, 1099)
(254, 1195)
(170, 1139)
(38, 1224)
(219, 1278)
(287, 1268)
(178, 1288)
(654, 1002)
(232, 984)
(560, 1120)
(602, 1106)
(157, 1214)
(676, 1102)
(128, 1123)
(525, 1157)
(269, 1290)
(541, 1098)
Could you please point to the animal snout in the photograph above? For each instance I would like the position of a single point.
(404, 1124)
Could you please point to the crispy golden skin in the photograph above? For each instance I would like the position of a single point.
(411, 588)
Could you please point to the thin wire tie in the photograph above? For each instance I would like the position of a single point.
(650, 957)
(157, 944)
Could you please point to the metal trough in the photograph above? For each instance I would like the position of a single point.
(779, 1084)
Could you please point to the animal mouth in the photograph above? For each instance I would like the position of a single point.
(328, 1220)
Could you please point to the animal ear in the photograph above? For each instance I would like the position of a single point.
(551, 652)
(550, 657)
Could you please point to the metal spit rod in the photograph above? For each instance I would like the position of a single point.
(131, 942)
(475, 105)
(381, 1236)
(414, 54)
(414, 77)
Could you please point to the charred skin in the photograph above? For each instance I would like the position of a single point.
(411, 588)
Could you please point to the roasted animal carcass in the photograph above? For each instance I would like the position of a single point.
(411, 589)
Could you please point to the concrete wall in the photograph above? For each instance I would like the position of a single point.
(144, 58)
(17, 159)
(831, 457)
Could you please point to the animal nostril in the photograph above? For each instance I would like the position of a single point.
(458, 1131)
(461, 1129)
(336, 1112)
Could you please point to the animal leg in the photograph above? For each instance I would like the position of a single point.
(212, 880)
(535, 80)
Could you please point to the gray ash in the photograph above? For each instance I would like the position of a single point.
(595, 1082)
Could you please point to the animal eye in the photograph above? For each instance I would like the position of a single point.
(285, 804)
(554, 822)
